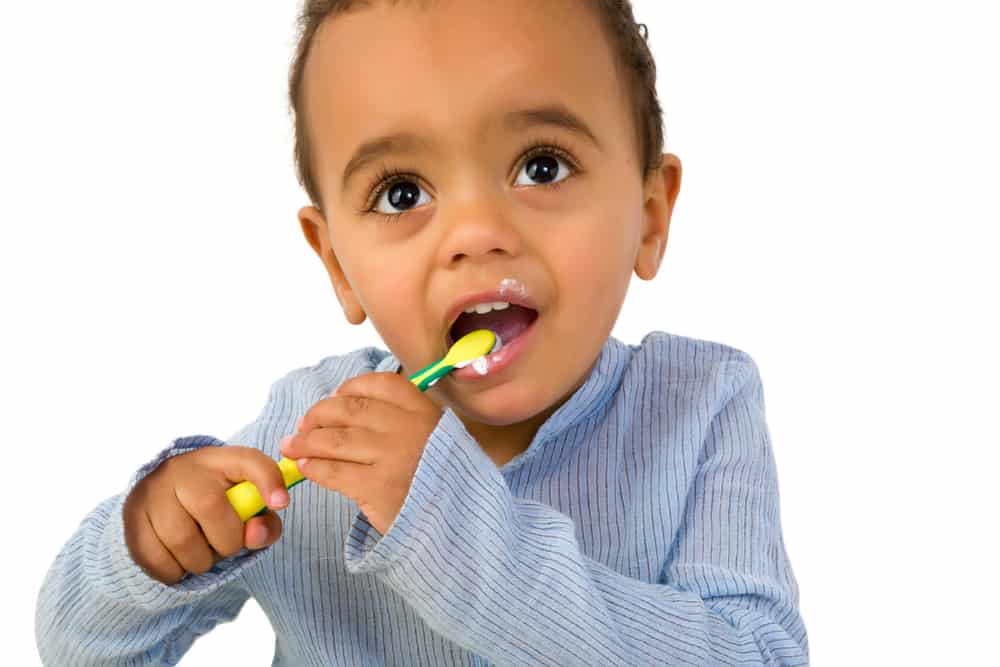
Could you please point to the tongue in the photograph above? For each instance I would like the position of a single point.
(508, 324)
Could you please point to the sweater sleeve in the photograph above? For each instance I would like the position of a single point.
(505, 577)
(96, 606)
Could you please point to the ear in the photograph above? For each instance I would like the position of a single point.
(660, 193)
(317, 234)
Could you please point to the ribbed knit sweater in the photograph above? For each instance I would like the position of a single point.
(640, 527)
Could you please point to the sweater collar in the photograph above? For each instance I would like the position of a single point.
(604, 379)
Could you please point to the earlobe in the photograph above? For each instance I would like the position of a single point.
(314, 228)
(660, 194)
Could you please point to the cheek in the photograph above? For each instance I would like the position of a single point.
(595, 261)
(379, 275)
(592, 280)
(392, 293)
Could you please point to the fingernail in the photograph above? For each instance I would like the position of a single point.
(298, 427)
(284, 441)
(279, 498)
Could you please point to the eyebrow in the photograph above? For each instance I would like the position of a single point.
(553, 115)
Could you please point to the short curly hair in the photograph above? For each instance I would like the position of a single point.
(629, 41)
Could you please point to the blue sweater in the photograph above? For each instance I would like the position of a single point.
(640, 527)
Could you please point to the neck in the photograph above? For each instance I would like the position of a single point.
(503, 443)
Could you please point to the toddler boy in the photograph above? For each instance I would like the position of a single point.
(471, 164)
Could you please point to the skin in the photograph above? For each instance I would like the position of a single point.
(448, 71)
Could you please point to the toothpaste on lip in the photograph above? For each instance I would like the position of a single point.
(512, 285)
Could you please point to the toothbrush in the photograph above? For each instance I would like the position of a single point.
(246, 499)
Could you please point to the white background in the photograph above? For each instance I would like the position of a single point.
(837, 220)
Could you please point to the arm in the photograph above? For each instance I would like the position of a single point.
(730, 550)
(96, 606)
(505, 577)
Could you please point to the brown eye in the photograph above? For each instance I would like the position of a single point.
(544, 169)
(400, 197)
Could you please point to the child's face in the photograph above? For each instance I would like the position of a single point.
(475, 210)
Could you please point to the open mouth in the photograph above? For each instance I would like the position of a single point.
(507, 323)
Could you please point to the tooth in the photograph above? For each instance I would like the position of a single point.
(483, 308)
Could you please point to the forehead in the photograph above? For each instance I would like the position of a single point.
(451, 70)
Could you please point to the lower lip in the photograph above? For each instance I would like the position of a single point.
(499, 360)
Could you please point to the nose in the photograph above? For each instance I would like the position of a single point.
(476, 231)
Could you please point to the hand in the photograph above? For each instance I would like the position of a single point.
(365, 441)
(178, 518)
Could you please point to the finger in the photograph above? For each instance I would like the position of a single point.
(262, 531)
(181, 535)
(392, 388)
(236, 463)
(151, 554)
(352, 410)
(344, 443)
(354, 480)
(214, 514)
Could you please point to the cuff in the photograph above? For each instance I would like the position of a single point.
(175, 448)
(434, 481)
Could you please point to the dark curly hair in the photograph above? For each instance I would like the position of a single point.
(628, 39)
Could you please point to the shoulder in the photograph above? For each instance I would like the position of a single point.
(698, 368)
(296, 391)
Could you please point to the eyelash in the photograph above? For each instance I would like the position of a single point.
(389, 176)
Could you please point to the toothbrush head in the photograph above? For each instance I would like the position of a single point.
(497, 344)
(470, 347)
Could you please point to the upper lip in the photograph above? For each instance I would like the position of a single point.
(491, 296)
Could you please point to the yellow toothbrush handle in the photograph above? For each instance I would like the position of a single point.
(246, 499)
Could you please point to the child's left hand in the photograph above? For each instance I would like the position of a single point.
(365, 441)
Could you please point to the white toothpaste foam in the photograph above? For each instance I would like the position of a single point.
(513, 285)
(481, 365)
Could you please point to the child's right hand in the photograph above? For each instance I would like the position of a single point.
(178, 518)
